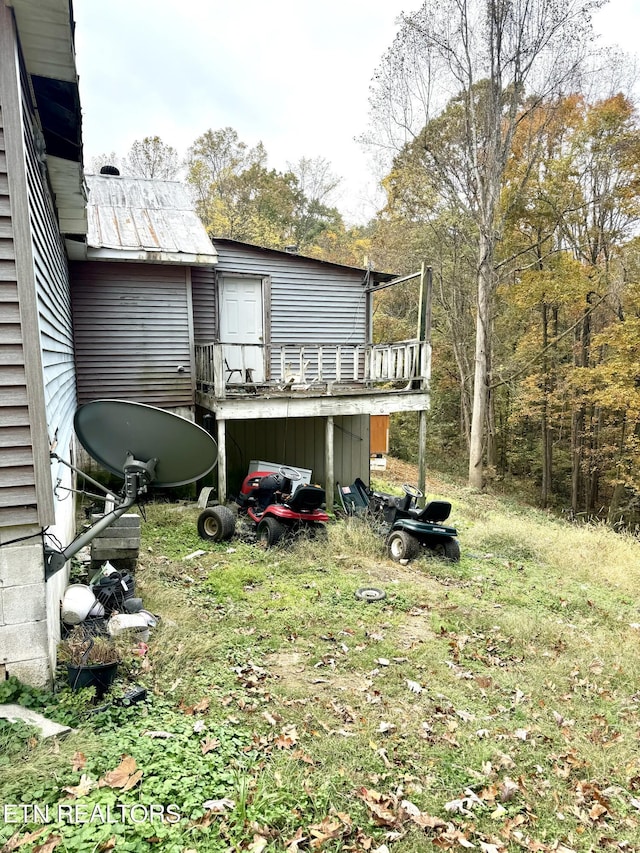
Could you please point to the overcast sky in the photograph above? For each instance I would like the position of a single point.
(294, 74)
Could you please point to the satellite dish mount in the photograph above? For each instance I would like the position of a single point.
(142, 444)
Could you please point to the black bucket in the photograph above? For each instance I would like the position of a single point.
(98, 675)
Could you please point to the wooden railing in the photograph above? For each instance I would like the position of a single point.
(221, 367)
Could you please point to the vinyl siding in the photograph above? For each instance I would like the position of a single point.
(205, 316)
(54, 306)
(18, 501)
(132, 330)
(310, 301)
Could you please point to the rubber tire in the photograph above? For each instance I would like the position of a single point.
(370, 593)
(448, 549)
(270, 531)
(216, 524)
(402, 546)
(317, 530)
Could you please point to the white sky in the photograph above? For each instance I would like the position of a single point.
(294, 74)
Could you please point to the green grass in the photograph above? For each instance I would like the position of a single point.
(499, 695)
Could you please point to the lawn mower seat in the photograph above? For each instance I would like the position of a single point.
(354, 498)
(434, 511)
(307, 498)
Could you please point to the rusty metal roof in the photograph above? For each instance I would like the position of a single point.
(143, 219)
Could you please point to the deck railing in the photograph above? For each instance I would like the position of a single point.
(226, 368)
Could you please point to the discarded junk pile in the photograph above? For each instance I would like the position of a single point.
(107, 605)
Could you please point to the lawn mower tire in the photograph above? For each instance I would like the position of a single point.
(370, 593)
(216, 524)
(402, 546)
(270, 531)
(446, 549)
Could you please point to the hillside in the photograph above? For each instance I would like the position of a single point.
(491, 704)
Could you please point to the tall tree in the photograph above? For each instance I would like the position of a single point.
(152, 158)
(499, 60)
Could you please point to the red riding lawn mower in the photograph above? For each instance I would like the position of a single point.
(274, 509)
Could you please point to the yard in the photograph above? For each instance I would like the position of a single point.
(491, 704)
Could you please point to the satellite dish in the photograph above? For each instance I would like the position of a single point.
(112, 430)
(144, 445)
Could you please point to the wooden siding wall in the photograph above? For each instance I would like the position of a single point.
(299, 441)
(131, 328)
(205, 313)
(310, 301)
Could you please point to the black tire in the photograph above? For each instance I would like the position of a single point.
(447, 549)
(402, 546)
(270, 531)
(370, 593)
(317, 530)
(216, 524)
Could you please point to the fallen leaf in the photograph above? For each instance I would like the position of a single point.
(414, 687)
(17, 840)
(109, 844)
(219, 806)
(383, 728)
(132, 781)
(209, 744)
(291, 845)
(119, 777)
(50, 844)
(326, 830)
(159, 734)
(79, 760)
(383, 661)
(258, 844)
(202, 705)
(597, 811)
(82, 788)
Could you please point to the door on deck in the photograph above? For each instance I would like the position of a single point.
(242, 329)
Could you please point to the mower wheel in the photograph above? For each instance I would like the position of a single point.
(402, 546)
(370, 593)
(270, 531)
(448, 549)
(216, 524)
(317, 530)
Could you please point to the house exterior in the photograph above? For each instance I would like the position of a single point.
(111, 288)
(42, 214)
(286, 367)
(132, 286)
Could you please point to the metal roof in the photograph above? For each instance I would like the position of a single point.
(372, 275)
(144, 220)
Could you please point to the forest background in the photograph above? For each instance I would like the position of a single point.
(514, 173)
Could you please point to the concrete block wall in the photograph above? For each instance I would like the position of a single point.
(24, 635)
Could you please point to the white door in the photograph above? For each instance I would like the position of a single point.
(241, 329)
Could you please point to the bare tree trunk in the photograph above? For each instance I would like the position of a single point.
(547, 444)
(482, 360)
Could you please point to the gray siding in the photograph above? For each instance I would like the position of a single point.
(54, 305)
(299, 441)
(205, 311)
(18, 503)
(132, 331)
(310, 301)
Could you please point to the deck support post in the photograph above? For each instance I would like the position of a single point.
(222, 460)
(422, 462)
(329, 462)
